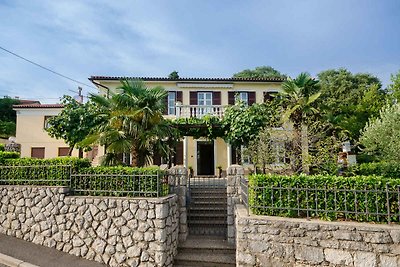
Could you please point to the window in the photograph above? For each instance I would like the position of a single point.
(63, 151)
(204, 98)
(46, 121)
(37, 152)
(244, 97)
(171, 103)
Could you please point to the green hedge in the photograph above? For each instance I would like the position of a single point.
(385, 169)
(31, 171)
(326, 197)
(120, 181)
(2, 147)
(8, 155)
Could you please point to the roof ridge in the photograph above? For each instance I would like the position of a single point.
(232, 79)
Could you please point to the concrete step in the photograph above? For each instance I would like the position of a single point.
(205, 251)
(200, 208)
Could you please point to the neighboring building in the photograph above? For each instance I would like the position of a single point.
(31, 134)
(195, 97)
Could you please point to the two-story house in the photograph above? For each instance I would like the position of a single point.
(194, 97)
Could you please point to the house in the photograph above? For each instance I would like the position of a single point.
(31, 134)
(195, 97)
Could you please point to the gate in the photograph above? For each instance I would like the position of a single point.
(207, 206)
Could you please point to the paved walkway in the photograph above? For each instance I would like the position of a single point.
(40, 255)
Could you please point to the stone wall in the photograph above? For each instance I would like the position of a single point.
(114, 231)
(276, 241)
(234, 174)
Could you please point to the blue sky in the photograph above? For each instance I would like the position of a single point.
(206, 38)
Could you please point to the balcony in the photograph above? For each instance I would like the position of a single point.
(197, 111)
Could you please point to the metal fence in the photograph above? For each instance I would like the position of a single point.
(376, 203)
(134, 185)
(51, 175)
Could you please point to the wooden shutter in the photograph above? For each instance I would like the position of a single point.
(166, 104)
(179, 97)
(216, 98)
(252, 98)
(231, 98)
(193, 98)
(63, 151)
(179, 153)
(267, 97)
(37, 152)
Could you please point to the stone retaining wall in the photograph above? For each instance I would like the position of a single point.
(276, 241)
(114, 231)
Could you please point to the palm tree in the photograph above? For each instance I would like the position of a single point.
(299, 96)
(133, 122)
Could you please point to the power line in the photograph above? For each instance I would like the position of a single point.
(45, 68)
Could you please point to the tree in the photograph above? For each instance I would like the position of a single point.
(262, 72)
(133, 122)
(394, 88)
(74, 122)
(347, 100)
(8, 117)
(381, 136)
(299, 96)
(242, 123)
(173, 75)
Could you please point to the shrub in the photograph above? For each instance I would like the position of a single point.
(359, 198)
(120, 181)
(4, 155)
(31, 171)
(385, 169)
(2, 147)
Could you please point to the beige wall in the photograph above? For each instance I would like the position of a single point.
(220, 147)
(224, 88)
(31, 133)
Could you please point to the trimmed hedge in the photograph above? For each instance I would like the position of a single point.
(31, 171)
(2, 148)
(120, 181)
(8, 155)
(385, 169)
(326, 197)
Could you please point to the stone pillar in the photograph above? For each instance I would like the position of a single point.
(234, 173)
(178, 176)
(185, 151)
(229, 154)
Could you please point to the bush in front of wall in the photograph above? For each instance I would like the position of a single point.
(358, 198)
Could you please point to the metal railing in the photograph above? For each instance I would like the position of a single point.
(135, 185)
(198, 111)
(50, 175)
(364, 205)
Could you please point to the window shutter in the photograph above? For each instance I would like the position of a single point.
(193, 98)
(37, 152)
(216, 98)
(252, 98)
(166, 104)
(231, 98)
(266, 97)
(179, 97)
(179, 153)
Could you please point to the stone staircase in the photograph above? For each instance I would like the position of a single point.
(207, 211)
(205, 251)
(207, 222)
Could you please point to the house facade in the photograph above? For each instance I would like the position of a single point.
(195, 97)
(31, 131)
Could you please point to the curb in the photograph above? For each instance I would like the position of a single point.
(13, 262)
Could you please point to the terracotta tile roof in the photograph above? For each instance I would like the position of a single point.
(231, 79)
(39, 106)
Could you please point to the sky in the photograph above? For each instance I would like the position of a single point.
(197, 38)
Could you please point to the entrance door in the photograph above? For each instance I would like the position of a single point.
(205, 158)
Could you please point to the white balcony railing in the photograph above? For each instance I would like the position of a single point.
(189, 111)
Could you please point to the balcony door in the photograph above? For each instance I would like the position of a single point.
(204, 99)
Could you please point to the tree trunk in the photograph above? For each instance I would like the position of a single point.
(71, 148)
(304, 149)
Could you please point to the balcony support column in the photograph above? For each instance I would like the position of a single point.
(229, 154)
(185, 151)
